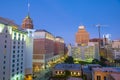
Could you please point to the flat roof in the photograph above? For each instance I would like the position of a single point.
(115, 76)
(7, 21)
(74, 78)
(107, 69)
(64, 66)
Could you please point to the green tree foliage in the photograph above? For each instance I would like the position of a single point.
(69, 60)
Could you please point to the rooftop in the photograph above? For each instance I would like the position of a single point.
(73, 78)
(107, 69)
(7, 21)
(67, 66)
(115, 76)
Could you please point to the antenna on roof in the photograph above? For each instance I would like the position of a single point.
(28, 7)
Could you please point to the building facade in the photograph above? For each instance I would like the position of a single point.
(43, 49)
(74, 69)
(89, 52)
(82, 36)
(104, 73)
(59, 45)
(13, 50)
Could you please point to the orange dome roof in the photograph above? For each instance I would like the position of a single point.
(27, 23)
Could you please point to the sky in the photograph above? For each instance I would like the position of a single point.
(63, 17)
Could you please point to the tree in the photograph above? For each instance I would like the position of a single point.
(95, 61)
(69, 60)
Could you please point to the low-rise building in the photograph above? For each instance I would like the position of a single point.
(104, 72)
(65, 69)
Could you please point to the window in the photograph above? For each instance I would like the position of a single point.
(14, 42)
(17, 69)
(4, 57)
(22, 47)
(13, 47)
(13, 51)
(17, 60)
(22, 52)
(5, 41)
(4, 62)
(3, 67)
(5, 36)
(13, 61)
(6, 31)
(13, 70)
(5, 46)
(98, 77)
(18, 55)
(3, 73)
(17, 64)
(3, 78)
(18, 51)
(21, 67)
(13, 65)
(13, 56)
(18, 42)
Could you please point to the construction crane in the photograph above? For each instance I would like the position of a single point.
(99, 33)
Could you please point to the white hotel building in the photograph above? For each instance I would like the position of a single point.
(15, 51)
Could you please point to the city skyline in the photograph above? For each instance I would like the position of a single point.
(62, 18)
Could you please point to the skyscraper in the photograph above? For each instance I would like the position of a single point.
(82, 36)
(13, 47)
(43, 49)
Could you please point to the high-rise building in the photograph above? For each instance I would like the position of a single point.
(14, 44)
(27, 25)
(89, 52)
(43, 49)
(82, 36)
(59, 45)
